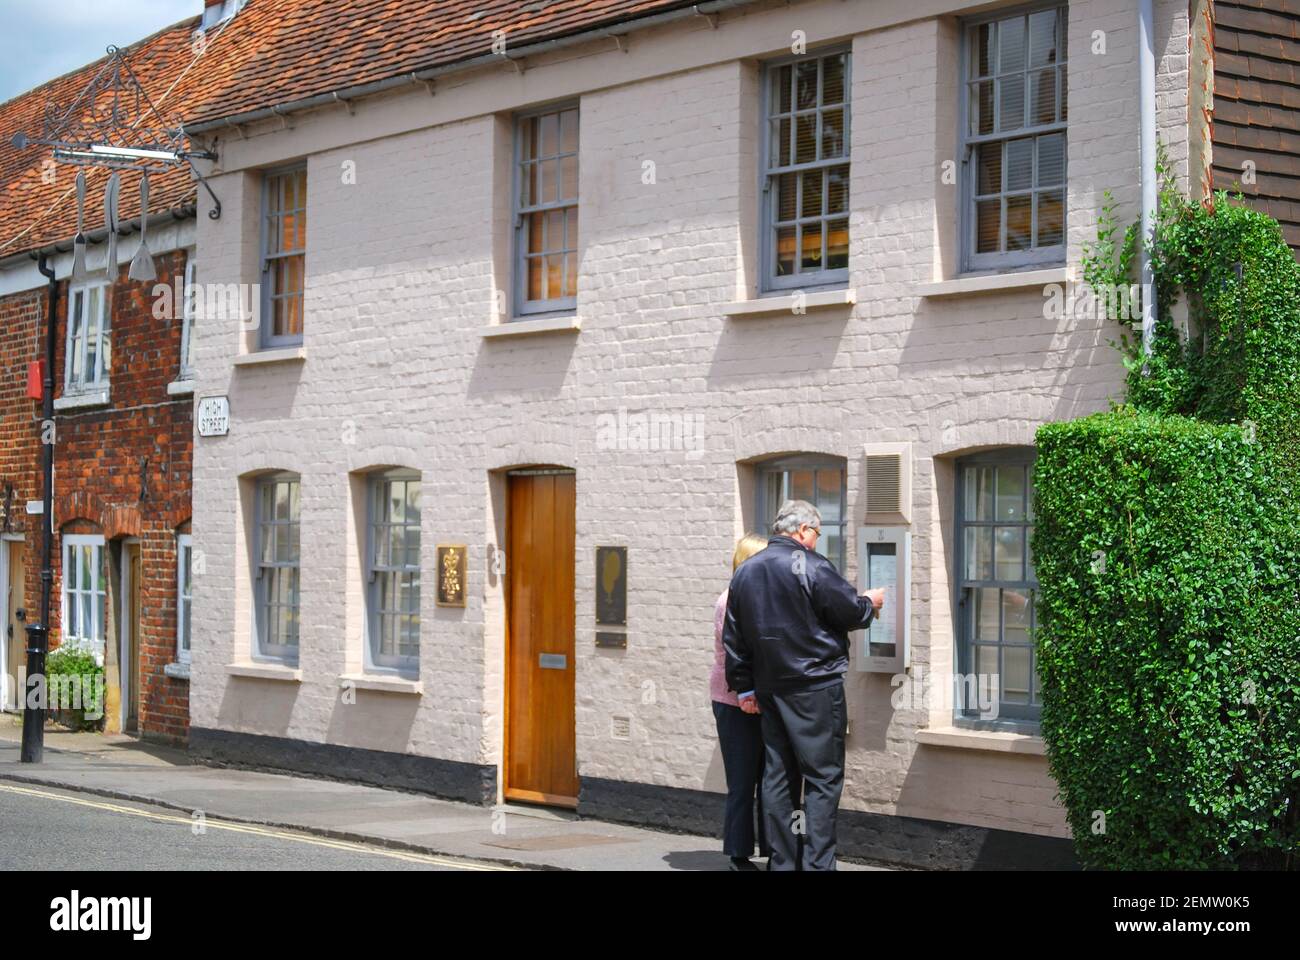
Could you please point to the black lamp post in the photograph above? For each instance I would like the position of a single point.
(38, 634)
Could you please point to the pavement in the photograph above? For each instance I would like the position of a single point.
(516, 835)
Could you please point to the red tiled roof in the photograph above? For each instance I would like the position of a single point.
(282, 51)
(37, 209)
(274, 52)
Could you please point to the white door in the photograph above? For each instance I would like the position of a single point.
(5, 682)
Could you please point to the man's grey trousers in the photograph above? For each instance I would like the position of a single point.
(803, 736)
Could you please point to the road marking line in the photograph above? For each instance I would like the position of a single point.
(256, 830)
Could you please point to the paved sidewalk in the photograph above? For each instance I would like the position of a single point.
(127, 769)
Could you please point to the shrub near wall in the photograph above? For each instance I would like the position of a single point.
(1167, 547)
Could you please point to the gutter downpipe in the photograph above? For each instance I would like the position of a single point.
(38, 634)
(1147, 172)
(423, 76)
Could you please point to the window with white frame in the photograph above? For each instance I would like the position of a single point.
(277, 570)
(284, 256)
(806, 171)
(1014, 139)
(820, 480)
(90, 342)
(84, 591)
(184, 594)
(996, 585)
(394, 571)
(188, 311)
(546, 210)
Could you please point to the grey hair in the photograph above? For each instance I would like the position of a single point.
(794, 514)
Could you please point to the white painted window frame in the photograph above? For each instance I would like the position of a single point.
(184, 596)
(77, 339)
(71, 542)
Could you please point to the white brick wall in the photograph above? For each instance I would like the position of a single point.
(402, 266)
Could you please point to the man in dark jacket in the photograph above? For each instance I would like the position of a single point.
(786, 642)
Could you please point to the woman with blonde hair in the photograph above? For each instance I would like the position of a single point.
(741, 737)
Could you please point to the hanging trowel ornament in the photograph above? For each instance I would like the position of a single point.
(142, 262)
(110, 223)
(79, 242)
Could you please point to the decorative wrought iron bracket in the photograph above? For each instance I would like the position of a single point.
(114, 125)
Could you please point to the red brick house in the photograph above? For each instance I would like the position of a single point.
(123, 411)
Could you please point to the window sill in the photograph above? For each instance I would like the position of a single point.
(278, 355)
(995, 741)
(370, 681)
(994, 283)
(180, 388)
(80, 401)
(792, 303)
(265, 671)
(180, 670)
(523, 328)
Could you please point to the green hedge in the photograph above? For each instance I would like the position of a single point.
(1166, 639)
(73, 676)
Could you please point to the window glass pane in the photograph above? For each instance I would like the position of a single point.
(979, 493)
(1051, 160)
(1015, 616)
(806, 84)
(1011, 45)
(988, 166)
(1042, 38)
(833, 145)
(781, 85)
(810, 200)
(1020, 164)
(1011, 102)
(549, 131)
(1015, 674)
(785, 245)
(978, 551)
(837, 190)
(1051, 218)
(981, 107)
(787, 196)
(988, 226)
(837, 245)
(569, 134)
(805, 149)
(1020, 215)
(833, 79)
(801, 486)
(984, 619)
(1011, 492)
(810, 240)
(1042, 97)
(986, 669)
(983, 44)
(569, 178)
(1009, 547)
(829, 492)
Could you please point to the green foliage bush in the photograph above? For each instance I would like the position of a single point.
(71, 668)
(1167, 548)
(1171, 687)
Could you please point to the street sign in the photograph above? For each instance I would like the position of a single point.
(213, 416)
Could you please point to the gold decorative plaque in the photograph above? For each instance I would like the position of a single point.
(451, 576)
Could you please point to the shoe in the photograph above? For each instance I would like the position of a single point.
(742, 864)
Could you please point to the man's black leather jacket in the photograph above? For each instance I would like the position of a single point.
(788, 616)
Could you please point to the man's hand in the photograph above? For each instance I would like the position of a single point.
(749, 704)
(877, 598)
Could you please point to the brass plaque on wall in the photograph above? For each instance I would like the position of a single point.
(451, 576)
(611, 586)
(607, 638)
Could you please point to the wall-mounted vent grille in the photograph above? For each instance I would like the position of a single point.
(884, 483)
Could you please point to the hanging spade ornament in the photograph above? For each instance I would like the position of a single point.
(111, 192)
(142, 262)
(79, 243)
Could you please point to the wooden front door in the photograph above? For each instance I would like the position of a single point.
(131, 668)
(13, 623)
(541, 754)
